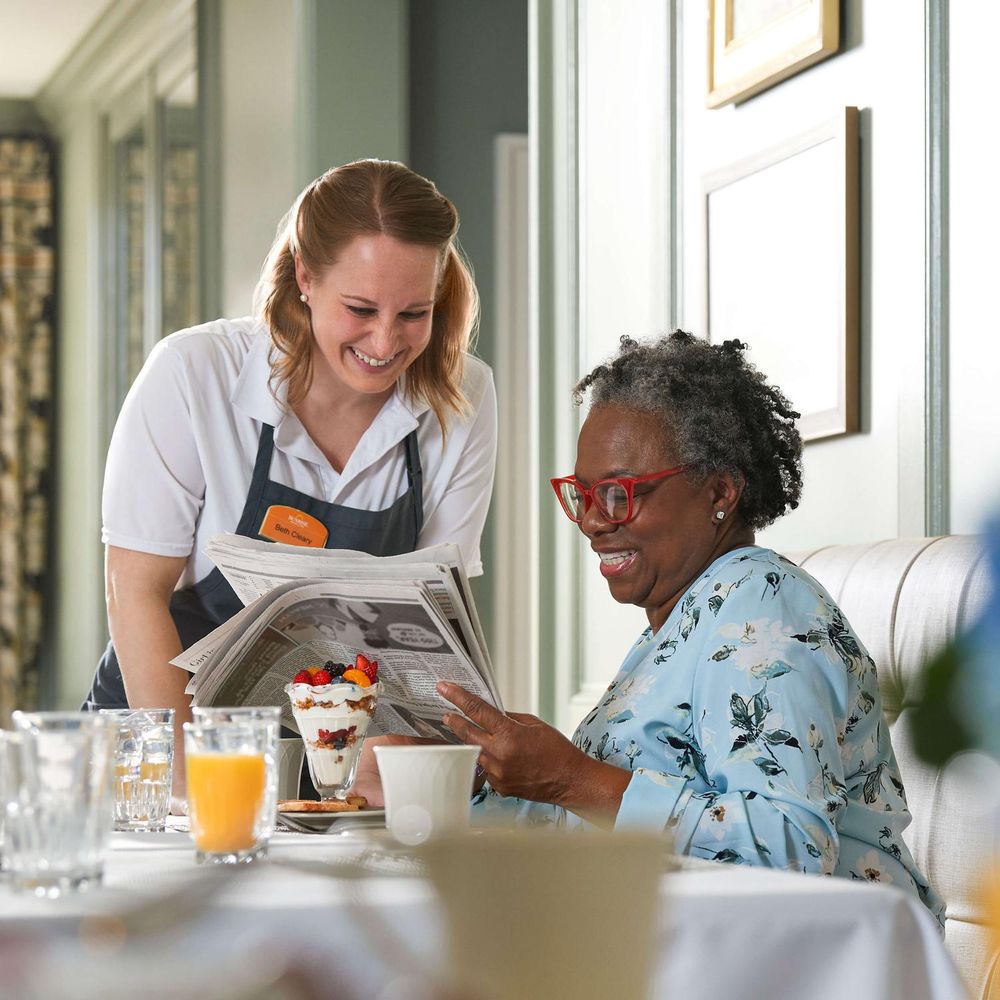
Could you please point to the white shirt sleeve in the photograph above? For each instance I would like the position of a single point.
(460, 514)
(154, 485)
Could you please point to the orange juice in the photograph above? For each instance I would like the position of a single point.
(225, 797)
(123, 788)
(153, 770)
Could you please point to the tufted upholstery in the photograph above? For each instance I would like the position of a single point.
(905, 598)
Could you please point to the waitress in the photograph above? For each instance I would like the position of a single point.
(349, 410)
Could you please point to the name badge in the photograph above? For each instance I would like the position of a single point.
(293, 527)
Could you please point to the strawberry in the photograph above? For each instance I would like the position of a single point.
(368, 667)
(322, 677)
(302, 677)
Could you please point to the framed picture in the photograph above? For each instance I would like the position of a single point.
(754, 44)
(783, 269)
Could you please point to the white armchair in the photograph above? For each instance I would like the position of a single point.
(905, 599)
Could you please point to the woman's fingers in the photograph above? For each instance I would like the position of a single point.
(484, 715)
(465, 730)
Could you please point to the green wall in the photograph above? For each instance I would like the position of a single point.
(468, 82)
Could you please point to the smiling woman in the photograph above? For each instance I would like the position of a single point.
(745, 722)
(350, 410)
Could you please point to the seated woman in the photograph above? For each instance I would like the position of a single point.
(746, 719)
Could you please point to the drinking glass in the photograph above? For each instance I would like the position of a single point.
(231, 788)
(10, 770)
(57, 800)
(269, 714)
(143, 767)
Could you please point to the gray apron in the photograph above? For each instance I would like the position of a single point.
(199, 609)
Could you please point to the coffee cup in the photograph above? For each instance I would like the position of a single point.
(427, 789)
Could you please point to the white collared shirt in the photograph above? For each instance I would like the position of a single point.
(183, 450)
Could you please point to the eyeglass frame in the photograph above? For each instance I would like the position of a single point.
(627, 483)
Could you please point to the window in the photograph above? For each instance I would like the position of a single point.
(152, 221)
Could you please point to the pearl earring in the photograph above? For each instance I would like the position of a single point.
(303, 297)
(720, 515)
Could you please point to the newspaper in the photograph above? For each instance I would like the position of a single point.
(414, 613)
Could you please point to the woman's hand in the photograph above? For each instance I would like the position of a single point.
(524, 757)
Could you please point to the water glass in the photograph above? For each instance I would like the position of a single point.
(143, 767)
(231, 788)
(269, 714)
(57, 800)
(10, 769)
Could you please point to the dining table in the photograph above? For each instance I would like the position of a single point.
(349, 914)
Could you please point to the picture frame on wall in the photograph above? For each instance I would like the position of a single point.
(754, 44)
(782, 260)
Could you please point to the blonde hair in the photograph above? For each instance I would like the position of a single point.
(365, 198)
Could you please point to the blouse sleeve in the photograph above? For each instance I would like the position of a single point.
(460, 514)
(764, 738)
(154, 485)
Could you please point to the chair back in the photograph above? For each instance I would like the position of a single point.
(905, 599)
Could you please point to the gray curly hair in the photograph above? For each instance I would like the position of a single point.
(716, 409)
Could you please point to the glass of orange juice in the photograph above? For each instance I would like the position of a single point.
(229, 793)
(270, 714)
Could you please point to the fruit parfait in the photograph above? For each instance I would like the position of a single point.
(333, 706)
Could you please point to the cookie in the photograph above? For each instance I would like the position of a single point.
(351, 804)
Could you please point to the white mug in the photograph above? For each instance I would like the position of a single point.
(427, 789)
(290, 753)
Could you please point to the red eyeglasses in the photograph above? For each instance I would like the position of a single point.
(614, 497)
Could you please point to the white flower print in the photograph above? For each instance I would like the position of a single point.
(656, 777)
(758, 647)
(871, 867)
(629, 694)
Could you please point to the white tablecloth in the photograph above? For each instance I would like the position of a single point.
(724, 932)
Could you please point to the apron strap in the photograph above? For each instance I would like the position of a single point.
(261, 470)
(415, 475)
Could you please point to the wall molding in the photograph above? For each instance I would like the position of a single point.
(936, 286)
(672, 160)
(554, 303)
(114, 56)
(208, 46)
(515, 516)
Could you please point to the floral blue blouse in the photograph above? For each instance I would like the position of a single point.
(752, 725)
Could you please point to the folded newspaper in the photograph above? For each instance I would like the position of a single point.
(414, 613)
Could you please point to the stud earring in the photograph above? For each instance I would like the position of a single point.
(303, 297)
(720, 515)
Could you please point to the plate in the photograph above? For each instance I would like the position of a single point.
(318, 822)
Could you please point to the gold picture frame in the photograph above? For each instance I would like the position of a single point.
(783, 270)
(754, 44)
